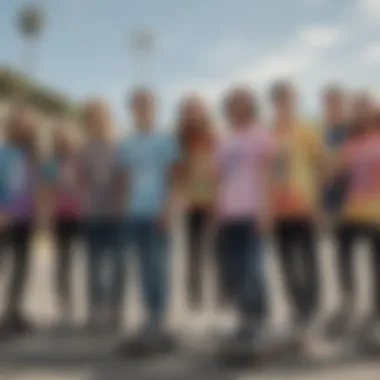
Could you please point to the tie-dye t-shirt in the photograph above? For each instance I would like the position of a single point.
(148, 159)
(296, 189)
(200, 181)
(22, 183)
(240, 160)
(362, 158)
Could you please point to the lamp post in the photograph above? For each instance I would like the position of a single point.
(142, 46)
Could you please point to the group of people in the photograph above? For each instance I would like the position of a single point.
(285, 178)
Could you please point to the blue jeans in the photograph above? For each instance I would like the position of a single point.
(105, 238)
(239, 247)
(151, 241)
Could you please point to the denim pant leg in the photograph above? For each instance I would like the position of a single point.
(161, 268)
(95, 238)
(241, 253)
(118, 240)
(253, 300)
(224, 251)
(151, 242)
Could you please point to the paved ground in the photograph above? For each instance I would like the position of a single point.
(53, 356)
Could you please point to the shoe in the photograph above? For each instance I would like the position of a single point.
(14, 325)
(339, 325)
(197, 325)
(114, 322)
(226, 324)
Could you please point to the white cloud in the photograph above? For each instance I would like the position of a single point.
(320, 36)
(371, 54)
(370, 9)
(298, 58)
(229, 52)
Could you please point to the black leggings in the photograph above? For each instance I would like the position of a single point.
(197, 232)
(297, 249)
(18, 238)
(196, 227)
(66, 231)
(347, 235)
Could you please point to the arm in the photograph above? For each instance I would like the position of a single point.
(267, 181)
(175, 175)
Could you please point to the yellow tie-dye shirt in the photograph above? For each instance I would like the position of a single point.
(297, 166)
(361, 157)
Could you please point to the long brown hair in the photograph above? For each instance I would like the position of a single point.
(195, 124)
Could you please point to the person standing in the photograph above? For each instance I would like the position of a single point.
(359, 217)
(243, 212)
(102, 192)
(336, 132)
(197, 138)
(298, 177)
(150, 158)
(63, 195)
(19, 213)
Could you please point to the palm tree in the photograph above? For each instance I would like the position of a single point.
(30, 25)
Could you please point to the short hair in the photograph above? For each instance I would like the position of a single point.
(280, 88)
(244, 92)
(141, 94)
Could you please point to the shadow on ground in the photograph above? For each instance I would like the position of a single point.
(62, 351)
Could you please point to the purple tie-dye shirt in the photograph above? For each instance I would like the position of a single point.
(239, 161)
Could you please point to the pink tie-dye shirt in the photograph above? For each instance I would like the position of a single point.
(240, 159)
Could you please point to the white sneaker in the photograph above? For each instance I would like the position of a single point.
(226, 324)
(196, 325)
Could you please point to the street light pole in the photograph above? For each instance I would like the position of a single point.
(142, 49)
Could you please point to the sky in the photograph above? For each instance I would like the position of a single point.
(200, 45)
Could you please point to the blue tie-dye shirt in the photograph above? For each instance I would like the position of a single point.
(148, 159)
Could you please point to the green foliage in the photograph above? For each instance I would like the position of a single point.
(46, 100)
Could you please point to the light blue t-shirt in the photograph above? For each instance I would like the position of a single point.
(148, 160)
